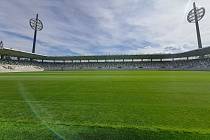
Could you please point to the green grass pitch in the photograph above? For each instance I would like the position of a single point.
(109, 105)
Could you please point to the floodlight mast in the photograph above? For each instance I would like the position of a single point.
(36, 25)
(194, 16)
(1, 45)
(197, 27)
(35, 33)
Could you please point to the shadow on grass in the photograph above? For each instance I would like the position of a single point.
(136, 134)
(16, 131)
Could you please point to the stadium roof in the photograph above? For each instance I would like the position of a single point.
(22, 54)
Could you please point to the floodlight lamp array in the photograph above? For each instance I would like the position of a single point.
(36, 24)
(196, 15)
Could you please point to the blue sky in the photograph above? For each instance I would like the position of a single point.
(101, 27)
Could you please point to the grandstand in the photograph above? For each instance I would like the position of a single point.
(14, 60)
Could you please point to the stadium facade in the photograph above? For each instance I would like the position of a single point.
(198, 59)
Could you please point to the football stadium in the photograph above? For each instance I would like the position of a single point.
(154, 96)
